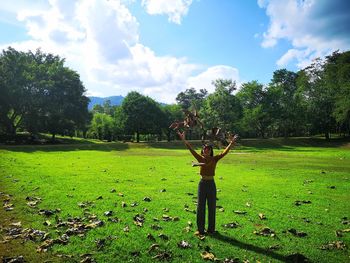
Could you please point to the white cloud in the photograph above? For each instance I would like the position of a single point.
(100, 40)
(174, 9)
(314, 28)
(204, 79)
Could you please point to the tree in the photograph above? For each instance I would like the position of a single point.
(337, 77)
(172, 112)
(101, 126)
(283, 96)
(320, 98)
(15, 89)
(190, 99)
(254, 102)
(222, 108)
(40, 94)
(141, 115)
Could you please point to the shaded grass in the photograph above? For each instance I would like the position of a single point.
(269, 178)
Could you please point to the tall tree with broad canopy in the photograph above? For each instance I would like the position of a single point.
(40, 94)
(16, 89)
(320, 98)
(141, 115)
(190, 99)
(286, 111)
(222, 108)
(255, 116)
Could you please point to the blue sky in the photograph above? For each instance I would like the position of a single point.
(161, 47)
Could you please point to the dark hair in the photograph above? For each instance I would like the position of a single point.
(208, 146)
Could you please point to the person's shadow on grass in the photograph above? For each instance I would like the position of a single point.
(295, 258)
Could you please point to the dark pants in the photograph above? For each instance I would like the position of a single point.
(206, 193)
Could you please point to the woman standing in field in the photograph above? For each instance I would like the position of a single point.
(206, 188)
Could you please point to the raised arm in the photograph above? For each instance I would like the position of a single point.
(227, 149)
(189, 146)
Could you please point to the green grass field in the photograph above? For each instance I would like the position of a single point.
(302, 189)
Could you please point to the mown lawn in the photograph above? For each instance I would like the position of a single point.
(303, 190)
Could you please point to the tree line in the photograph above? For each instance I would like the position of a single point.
(39, 94)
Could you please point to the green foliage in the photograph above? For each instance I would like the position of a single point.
(190, 99)
(253, 99)
(222, 108)
(141, 115)
(101, 126)
(40, 94)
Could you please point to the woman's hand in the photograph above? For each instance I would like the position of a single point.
(182, 135)
(233, 139)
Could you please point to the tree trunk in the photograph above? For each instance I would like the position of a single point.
(137, 136)
(168, 136)
(53, 137)
(327, 135)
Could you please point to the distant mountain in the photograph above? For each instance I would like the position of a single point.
(115, 101)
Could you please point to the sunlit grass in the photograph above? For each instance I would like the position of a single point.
(269, 178)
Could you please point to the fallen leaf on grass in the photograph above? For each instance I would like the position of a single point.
(153, 247)
(113, 190)
(345, 221)
(297, 233)
(139, 219)
(166, 218)
(134, 204)
(231, 225)
(85, 204)
(126, 229)
(87, 258)
(189, 210)
(47, 223)
(108, 213)
(207, 256)
(49, 243)
(338, 245)
(306, 220)
(151, 237)
(266, 231)
(120, 194)
(231, 260)
(162, 190)
(239, 212)
(187, 229)
(99, 198)
(297, 257)
(262, 216)
(163, 236)
(17, 224)
(156, 227)
(274, 247)
(147, 199)
(308, 181)
(19, 259)
(48, 212)
(298, 202)
(183, 244)
(114, 219)
(94, 224)
(100, 243)
(163, 256)
(124, 204)
(135, 253)
(8, 206)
